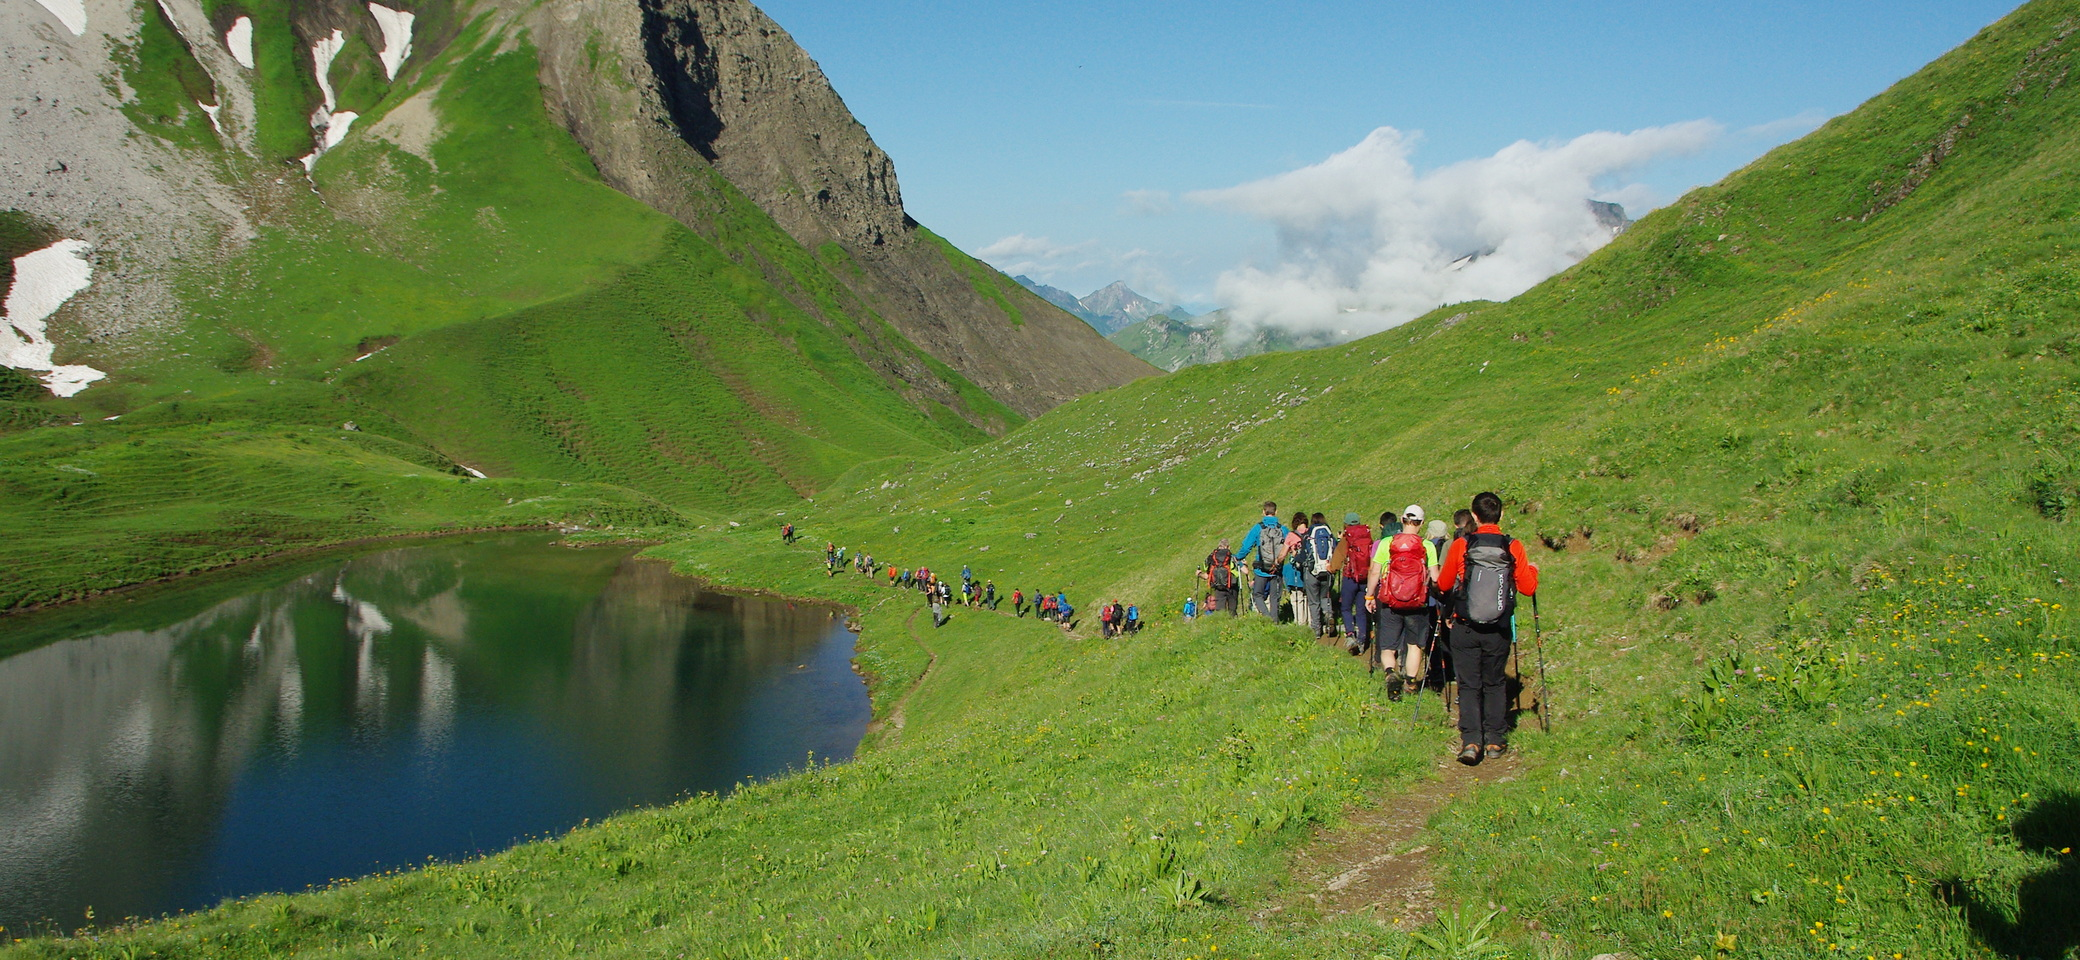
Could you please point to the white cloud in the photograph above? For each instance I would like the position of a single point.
(1145, 203)
(1041, 256)
(1366, 242)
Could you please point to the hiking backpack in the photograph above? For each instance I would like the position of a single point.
(1405, 585)
(1488, 592)
(1223, 569)
(1269, 540)
(1357, 552)
(1321, 545)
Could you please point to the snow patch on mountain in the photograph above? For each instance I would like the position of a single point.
(43, 280)
(331, 127)
(71, 13)
(239, 40)
(397, 37)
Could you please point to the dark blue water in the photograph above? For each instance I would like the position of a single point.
(440, 700)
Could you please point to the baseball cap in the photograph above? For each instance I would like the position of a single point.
(1414, 512)
(1351, 518)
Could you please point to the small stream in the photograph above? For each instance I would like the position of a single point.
(368, 712)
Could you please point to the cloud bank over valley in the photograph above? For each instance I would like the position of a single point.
(1365, 241)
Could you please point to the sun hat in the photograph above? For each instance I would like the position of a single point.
(1414, 512)
(1351, 518)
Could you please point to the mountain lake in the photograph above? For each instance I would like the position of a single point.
(351, 713)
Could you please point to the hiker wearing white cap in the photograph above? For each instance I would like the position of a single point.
(1398, 590)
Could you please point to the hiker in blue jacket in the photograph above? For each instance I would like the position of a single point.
(1264, 548)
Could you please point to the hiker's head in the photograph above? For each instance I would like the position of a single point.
(1299, 520)
(1318, 520)
(1386, 521)
(1412, 518)
(1435, 531)
(1270, 508)
(1352, 519)
(1487, 507)
(1463, 519)
(1224, 543)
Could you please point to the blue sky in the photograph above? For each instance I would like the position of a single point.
(1092, 130)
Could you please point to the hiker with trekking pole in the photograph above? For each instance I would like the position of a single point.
(1265, 545)
(1221, 577)
(1489, 569)
(1398, 592)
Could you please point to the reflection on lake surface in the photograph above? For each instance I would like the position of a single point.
(432, 701)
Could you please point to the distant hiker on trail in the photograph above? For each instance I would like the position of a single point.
(1320, 550)
(787, 533)
(1133, 620)
(938, 599)
(1264, 545)
(1018, 602)
(967, 575)
(1222, 578)
(1296, 570)
(1398, 591)
(1063, 611)
(1108, 620)
(1357, 564)
(989, 594)
(1488, 569)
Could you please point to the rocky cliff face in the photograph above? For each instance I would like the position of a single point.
(693, 107)
(664, 94)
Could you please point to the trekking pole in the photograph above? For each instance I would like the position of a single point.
(1429, 664)
(1545, 709)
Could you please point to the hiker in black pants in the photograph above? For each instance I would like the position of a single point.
(1221, 576)
(1488, 569)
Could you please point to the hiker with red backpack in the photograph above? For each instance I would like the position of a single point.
(1488, 569)
(1221, 577)
(1398, 593)
(1357, 564)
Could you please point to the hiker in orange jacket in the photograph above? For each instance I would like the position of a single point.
(1487, 569)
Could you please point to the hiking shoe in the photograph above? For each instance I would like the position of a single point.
(1394, 687)
(1496, 750)
(1470, 754)
(1353, 649)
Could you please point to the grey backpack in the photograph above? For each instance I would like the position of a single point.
(1489, 593)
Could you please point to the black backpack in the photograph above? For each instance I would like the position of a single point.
(1488, 587)
(1221, 572)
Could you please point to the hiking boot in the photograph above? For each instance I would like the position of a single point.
(1394, 687)
(1470, 754)
(1496, 750)
(1353, 649)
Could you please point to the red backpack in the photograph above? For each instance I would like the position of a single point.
(1406, 585)
(1357, 552)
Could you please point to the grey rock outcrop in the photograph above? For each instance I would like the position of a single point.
(664, 92)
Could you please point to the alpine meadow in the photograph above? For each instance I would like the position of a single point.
(1795, 457)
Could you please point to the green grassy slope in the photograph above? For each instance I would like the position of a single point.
(1792, 455)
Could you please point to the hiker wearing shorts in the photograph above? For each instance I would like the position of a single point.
(1264, 549)
(1404, 566)
(1223, 578)
(1488, 569)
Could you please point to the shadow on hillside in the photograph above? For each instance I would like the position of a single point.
(2047, 915)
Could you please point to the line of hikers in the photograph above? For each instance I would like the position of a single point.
(1396, 595)
(1115, 618)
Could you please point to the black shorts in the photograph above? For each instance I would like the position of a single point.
(1399, 628)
